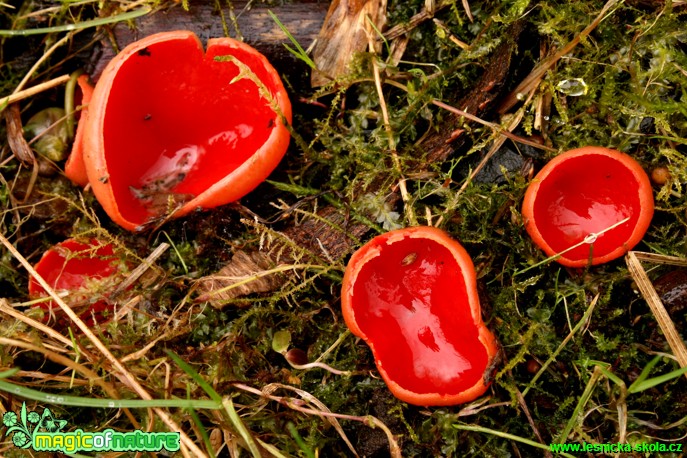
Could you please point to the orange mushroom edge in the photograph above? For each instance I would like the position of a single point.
(598, 198)
(75, 168)
(411, 295)
(172, 128)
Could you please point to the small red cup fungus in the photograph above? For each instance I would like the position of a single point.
(578, 196)
(411, 294)
(85, 269)
(171, 128)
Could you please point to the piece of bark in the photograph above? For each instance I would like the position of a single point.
(479, 100)
(331, 237)
(303, 20)
(347, 31)
(243, 275)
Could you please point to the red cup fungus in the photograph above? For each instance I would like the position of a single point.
(86, 269)
(411, 294)
(578, 196)
(171, 128)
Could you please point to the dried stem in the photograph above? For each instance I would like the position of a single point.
(657, 308)
(122, 373)
(30, 92)
(532, 80)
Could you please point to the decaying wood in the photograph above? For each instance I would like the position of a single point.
(303, 20)
(479, 100)
(346, 31)
(331, 236)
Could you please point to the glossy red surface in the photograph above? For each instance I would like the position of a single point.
(588, 195)
(176, 124)
(582, 193)
(171, 129)
(72, 265)
(413, 299)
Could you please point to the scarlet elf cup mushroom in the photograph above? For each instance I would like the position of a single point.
(171, 128)
(85, 269)
(594, 197)
(411, 294)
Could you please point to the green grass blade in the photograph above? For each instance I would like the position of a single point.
(240, 427)
(584, 398)
(299, 52)
(512, 437)
(226, 403)
(203, 433)
(652, 382)
(647, 370)
(214, 395)
(77, 26)
(9, 373)
(645, 373)
(299, 440)
(67, 400)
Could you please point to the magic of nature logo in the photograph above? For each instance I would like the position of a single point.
(43, 432)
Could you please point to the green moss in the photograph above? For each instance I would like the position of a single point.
(634, 68)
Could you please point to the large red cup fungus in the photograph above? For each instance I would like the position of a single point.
(171, 128)
(85, 269)
(411, 294)
(582, 193)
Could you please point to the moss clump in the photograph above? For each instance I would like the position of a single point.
(566, 334)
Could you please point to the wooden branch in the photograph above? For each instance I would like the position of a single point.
(303, 20)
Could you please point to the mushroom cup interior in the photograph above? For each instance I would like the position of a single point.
(411, 304)
(585, 195)
(176, 124)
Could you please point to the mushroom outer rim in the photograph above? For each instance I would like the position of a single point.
(486, 337)
(646, 203)
(96, 164)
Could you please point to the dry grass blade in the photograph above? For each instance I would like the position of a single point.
(320, 405)
(657, 308)
(498, 142)
(122, 373)
(90, 375)
(345, 33)
(15, 136)
(142, 268)
(495, 127)
(468, 13)
(394, 449)
(419, 18)
(532, 80)
(30, 92)
(581, 323)
(6, 308)
(660, 259)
